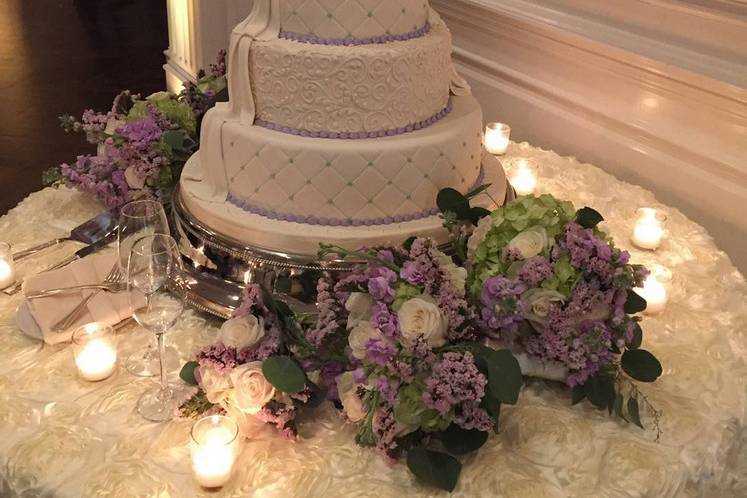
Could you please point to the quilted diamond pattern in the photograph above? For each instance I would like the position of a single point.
(330, 179)
(353, 18)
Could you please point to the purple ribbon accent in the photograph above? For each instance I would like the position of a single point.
(350, 41)
(345, 222)
(359, 135)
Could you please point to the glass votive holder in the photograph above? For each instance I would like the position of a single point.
(522, 174)
(649, 231)
(655, 289)
(214, 449)
(497, 138)
(95, 351)
(7, 269)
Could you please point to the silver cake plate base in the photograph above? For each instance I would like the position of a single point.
(219, 267)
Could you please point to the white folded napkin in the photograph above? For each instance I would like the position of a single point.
(107, 307)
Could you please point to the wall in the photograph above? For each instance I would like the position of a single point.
(653, 91)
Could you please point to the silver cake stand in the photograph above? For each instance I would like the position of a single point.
(219, 267)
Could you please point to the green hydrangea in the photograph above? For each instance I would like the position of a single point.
(507, 222)
(177, 112)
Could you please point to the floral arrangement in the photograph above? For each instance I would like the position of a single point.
(248, 373)
(142, 144)
(417, 384)
(552, 287)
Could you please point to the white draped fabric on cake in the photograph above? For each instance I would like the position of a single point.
(61, 437)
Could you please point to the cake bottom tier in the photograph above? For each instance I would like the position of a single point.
(303, 239)
(353, 182)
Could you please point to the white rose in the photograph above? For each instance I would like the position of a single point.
(421, 317)
(478, 235)
(243, 332)
(251, 390)
(351, 403)
(359, 337)
(217, 386)
(539, 302)
(457, 274)
(529, 243)
(359, 306)
(133, 179)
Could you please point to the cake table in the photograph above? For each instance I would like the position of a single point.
(62, 437)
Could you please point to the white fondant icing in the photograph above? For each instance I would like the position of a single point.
(304, 239)
(353, 18)
(352, 89)
(358, 179)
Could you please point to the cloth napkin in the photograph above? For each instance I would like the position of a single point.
(107, 307)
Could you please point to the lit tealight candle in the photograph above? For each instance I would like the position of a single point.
(214, 448)
(497, 137)
(95, 351)
(7, 271)
(655, 290)
(648, 231)
(522, 174)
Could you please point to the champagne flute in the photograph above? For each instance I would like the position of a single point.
(154, 262)
(138, 219)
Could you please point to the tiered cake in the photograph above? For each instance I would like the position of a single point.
(346, 118)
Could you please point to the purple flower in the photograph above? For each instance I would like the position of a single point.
(380, 351)
(500, 312)
(380, 289)
(454, 379)
(536, 270)
(384, 320)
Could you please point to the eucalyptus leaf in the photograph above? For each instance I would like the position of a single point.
(450, 200)
(477, 213)
(479, 190)
(284, 373)
(578, 394)
(187, 373)
(637, 337)
(600, 390)
(634, 412)
(458, 441)
(588, 217)
(641, 365)
(634, 303)
(434, 468)
(504, 374)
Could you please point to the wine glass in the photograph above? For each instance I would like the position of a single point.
(138, 219)
(154, 262)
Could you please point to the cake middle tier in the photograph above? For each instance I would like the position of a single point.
(375, 89)
(353, 182)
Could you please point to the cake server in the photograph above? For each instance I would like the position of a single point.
(90, 232)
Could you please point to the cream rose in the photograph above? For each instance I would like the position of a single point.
(457, 274)
(529, 243)
(251, 390)
(359, 337)
(242, 332)
(538, 303)
(132, 178)
(478, 235)
(351, 403)
(217, 386)
(420, 317)
(359, 306)
(113, 124)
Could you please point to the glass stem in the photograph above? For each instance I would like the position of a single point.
(161, 356)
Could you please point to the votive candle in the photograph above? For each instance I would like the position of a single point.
(497, 138)
(522, 174)
(95, 351)
(655, 290)
(648, 231)
(214, 450)
(7, 269)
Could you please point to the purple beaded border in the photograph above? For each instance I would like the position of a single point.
(360, 135)
(350, 41)
(337, 222)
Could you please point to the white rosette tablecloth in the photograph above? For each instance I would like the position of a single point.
(61, 437)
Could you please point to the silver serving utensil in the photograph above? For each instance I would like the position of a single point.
(90, 232)
(79, 254)
(114, 277)
(105, 286)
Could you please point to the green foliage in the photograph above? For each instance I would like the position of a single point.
(588, 217)
(503, 373)
(52, 177)
(434, 468)
(284, 373)
(458, 441)
(641, 365)
(195, 406)
(634, 303)
(187, 373)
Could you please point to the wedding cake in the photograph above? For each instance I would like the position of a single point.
(345, 119)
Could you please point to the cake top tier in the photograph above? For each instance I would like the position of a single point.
(329, 20)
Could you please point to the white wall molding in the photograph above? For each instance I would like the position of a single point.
(680, 133)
